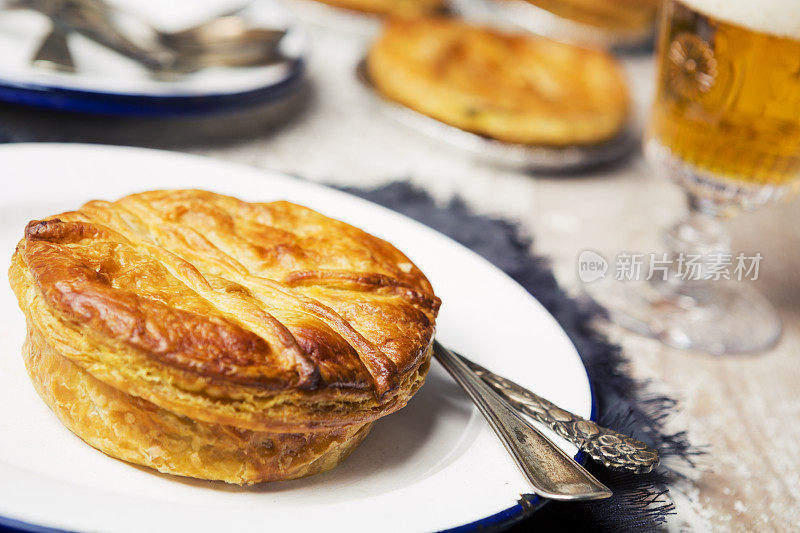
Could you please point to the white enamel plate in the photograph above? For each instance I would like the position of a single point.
(434, 465)
(107, 83)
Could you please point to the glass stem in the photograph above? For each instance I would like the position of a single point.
(698, 245)
(701, 232)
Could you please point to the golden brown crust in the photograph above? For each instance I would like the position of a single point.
(514, 88)
(610, 14)
(140, 432)
(391, 7)
(266, 317)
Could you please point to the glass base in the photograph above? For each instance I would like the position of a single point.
(718, 317)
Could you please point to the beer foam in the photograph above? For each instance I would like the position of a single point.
(776, 17)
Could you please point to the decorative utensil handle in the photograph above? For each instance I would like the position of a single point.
(552, 473)
(612, 449)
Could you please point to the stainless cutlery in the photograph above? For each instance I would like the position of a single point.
(233, 39)
(229, 40)
(551, 472)
(53, 53)
(611, 448)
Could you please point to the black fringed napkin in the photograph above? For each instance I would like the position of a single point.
(639, 502)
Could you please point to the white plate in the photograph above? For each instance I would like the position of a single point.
(102, 72)
(434, 465)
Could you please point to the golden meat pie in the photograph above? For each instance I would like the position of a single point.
(209, 337)
(391, 7)
(513, 88)
(609, 14)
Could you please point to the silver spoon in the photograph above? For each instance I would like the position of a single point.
(232, 39)
(551, 472)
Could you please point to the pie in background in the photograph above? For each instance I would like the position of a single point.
(510, 87)
(391, 7)
(626, 15)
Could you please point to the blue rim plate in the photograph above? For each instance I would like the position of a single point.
(438, 448)
(108, 84)
(122, 104)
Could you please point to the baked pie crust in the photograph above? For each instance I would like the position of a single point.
(209, 337)
(510, 87)
(391, 7)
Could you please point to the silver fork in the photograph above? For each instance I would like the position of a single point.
(227, 40)
(53, 53)
(551, 472)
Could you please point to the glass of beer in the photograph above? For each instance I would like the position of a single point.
(726, 127)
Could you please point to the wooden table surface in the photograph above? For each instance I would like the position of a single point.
(745, 408)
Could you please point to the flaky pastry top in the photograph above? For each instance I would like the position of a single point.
(256, 314)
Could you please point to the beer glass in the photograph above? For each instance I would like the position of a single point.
(726, 127)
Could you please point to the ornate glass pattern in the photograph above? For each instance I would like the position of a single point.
(692, 66)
